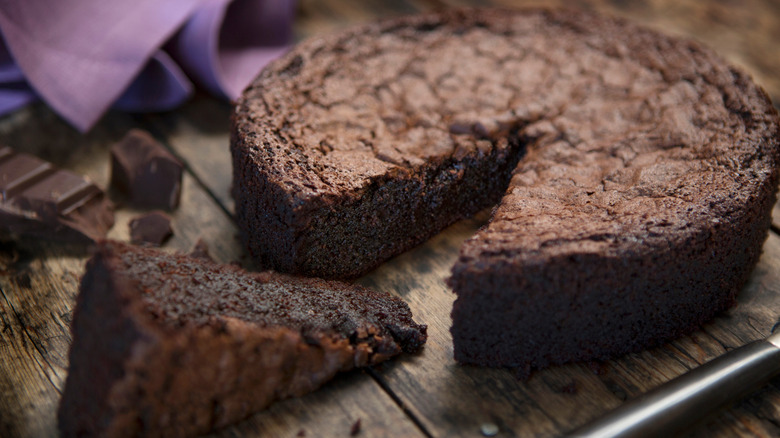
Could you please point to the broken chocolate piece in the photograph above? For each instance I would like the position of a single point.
(38, 199)
(200, 250)
(153, 228)
(355, 429)
(145, 171)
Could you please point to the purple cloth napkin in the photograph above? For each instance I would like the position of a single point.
(84, 56)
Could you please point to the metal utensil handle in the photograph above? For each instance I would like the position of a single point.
(690, 397)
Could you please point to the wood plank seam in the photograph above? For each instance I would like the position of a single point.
(673, 352)
(397, 400)
(721, 342)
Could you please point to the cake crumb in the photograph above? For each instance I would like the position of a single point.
(200, 250)
(355, 428)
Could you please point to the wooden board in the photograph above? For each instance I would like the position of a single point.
(423, 395)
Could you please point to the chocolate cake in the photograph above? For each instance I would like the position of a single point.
(170, 345)
(634, 173)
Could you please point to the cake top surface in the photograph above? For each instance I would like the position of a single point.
(180, 290)
(626, 131)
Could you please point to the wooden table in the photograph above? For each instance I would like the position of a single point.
(423, 395)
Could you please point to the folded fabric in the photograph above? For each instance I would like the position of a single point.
(83, 56)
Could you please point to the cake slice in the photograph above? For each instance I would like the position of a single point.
(170, 345)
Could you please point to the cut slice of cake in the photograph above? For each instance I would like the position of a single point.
(170, 345)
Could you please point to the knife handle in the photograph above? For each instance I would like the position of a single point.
(689, 398)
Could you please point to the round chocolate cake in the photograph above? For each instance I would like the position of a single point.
(634, 173)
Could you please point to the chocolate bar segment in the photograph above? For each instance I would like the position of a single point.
(38, 199)
(145, 171)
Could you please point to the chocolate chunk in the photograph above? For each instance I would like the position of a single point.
(355, 429)
(153, 228)
(38, 199)
(200, 251)
(143, 170)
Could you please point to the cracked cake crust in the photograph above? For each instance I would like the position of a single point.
(636, 172)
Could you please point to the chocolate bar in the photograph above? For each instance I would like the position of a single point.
(40, 200)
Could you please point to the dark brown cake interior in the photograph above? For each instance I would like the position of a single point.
(169, 345)
(180, 290)
(343, 236)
